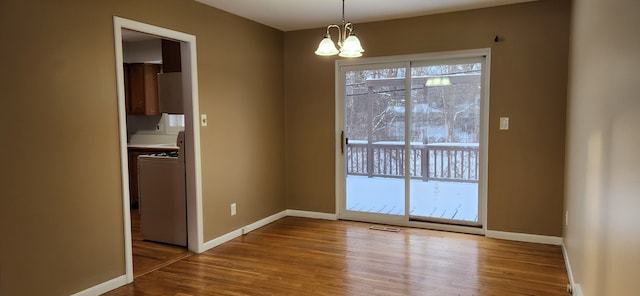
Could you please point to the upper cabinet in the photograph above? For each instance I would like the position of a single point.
(171, 60)
(170, 93)
(141, 88)
(170, 81)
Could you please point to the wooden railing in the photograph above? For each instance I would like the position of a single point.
(452, 162)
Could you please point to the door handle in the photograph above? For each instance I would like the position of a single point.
(342, 142)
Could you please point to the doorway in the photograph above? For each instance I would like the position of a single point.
(192, 135)
(413, 134)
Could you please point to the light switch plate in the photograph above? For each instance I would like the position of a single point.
(504, 123)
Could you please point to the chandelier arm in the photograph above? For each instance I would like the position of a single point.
(348, 28)
(339, 33)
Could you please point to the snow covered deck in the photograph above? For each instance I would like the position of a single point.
(433, 199)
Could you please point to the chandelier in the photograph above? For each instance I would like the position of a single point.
(347, 41)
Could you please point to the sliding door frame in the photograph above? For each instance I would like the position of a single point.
(405, 61)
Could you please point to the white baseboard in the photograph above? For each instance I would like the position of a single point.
(575, 287)
(313, 215)
(221, 239)
(255, 225)
(577, 290)
(104, 287)
(523, 237)
(243, 230)
(568, 266)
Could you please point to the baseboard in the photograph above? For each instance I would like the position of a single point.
(313, 215)
(568, 266)
(243, 230)
(577, 290)
(523, 237)
(122, 280)
(255, 225)
(221, 239)
(104, 287)
(575, 287)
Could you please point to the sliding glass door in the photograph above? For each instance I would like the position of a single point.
(412, 134)
(444, 124)
(374, 130)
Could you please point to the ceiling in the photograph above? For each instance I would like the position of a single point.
(291, 15)
(133, 36)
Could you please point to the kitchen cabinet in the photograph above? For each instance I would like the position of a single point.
(170, 93)
(170, 81)
(171, 59)
(134, 152)
(141, 88)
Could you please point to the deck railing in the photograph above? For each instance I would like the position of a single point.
(451, 162)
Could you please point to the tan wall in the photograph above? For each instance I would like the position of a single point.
(603, 159)
(61, 212)
(528, 84)
(61, 203)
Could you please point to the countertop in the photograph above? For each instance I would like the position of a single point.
(153, 146)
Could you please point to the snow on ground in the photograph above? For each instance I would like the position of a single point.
(447, 200)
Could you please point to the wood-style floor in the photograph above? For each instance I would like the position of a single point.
(150, 256)
(299, 256)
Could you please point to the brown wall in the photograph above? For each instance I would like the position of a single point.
(602, 237)
(528, 84)
(61, 203)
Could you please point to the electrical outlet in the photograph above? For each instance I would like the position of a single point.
(233, 209)
(504, 123)
(566, 218)
(203, 119)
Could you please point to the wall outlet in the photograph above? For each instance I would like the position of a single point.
(203, 120)
(566, 218)
(504, 123)
(233, 209)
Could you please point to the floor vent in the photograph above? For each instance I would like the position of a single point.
(384, 228)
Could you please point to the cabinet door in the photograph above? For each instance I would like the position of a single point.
(142, 89)
(170, 93)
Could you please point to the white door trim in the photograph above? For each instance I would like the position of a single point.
(193, 167)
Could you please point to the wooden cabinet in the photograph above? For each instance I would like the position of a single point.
(141, 88)
(170, 81)
(170, 93)
(134, 152)
(171, 59)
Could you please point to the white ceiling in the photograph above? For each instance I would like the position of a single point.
(132, 36)
(291, 15)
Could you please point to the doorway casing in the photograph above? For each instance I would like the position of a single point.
(192, 133)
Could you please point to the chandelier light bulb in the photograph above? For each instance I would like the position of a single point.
(351, 47)
(326, 47)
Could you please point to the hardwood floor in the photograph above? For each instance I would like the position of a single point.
(150, 256)
(299, 256)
